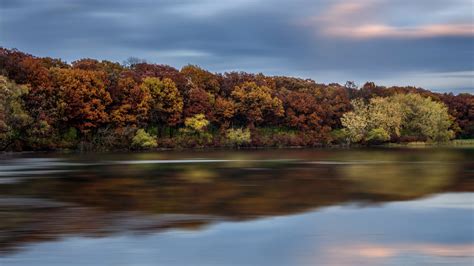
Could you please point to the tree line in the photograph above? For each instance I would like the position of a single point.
(46, 103)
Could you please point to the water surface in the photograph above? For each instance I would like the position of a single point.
(268, 207)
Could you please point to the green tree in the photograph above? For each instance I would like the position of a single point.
(356, 122)
(385, 115)
(424, 118)
(377, 135)
(400, 115)
(14, 119)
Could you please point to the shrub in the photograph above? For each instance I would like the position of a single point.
(378, 135)
(238, 136)
(197, 123)
(108, 138)
(339, 136)
(144, 140)
(194, 141)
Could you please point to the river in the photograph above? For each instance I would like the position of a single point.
(378, 206)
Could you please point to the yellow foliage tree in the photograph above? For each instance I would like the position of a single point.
(166, 102)
(255, 103)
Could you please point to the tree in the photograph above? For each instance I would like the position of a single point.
(224, 111)
(84, 98)
(377, 135)
(131, 61)
(14, 119)
(255, 103)
(385, 115)
(200, 78)
(132, 104)
(47, 103)
(301, 110)
(406, 115)
(376, 121)
(334, 100)
(424, 118)
(198, 101)
(461, 107)
(229, 80)
(356, 122)
(197, 123)
(145, 70)
(166, 102)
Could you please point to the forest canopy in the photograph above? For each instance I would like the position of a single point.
(46, 103)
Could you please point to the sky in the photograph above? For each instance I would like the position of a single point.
(426, 43)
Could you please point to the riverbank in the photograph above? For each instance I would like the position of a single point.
(457, 143)
(468, 143)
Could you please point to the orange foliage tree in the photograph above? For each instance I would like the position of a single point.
(84, 97)
(255, 103)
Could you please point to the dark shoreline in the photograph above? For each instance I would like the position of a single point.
(407, 145)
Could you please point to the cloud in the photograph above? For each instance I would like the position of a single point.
(182, 53)
(385, 31)
(207, 8)
(457, 81)
(338, 40)
(363, 20)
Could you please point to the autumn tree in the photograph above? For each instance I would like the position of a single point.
(255, 104)
(84, 98)
(46, 103)
(229, 80)
(87, 64)
(461, 107)
(334, 100)
(166, 102)
(200, 78)
(131, 104)
(199, 101)
(301, 110)
(196, 124)
(224, 111)
(145, 70)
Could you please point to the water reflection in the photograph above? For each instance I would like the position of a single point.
(112, 195)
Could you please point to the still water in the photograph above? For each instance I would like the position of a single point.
(268, 207)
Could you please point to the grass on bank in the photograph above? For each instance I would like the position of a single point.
(469, 143)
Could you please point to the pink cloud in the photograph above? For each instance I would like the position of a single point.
(365, 19)
(368, 31)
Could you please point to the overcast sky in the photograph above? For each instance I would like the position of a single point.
(427, 43)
